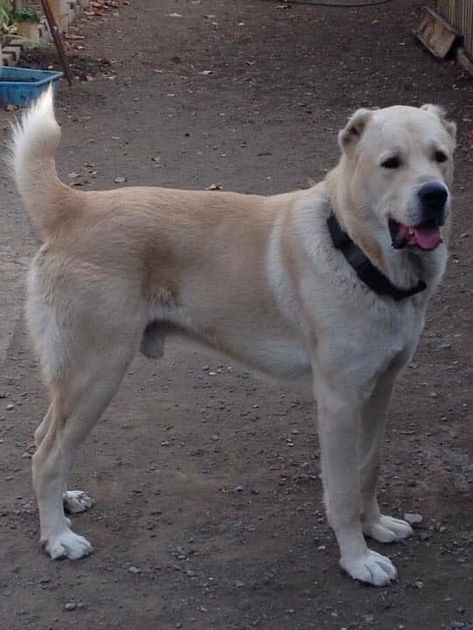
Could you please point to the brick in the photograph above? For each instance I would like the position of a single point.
(16, 42)
(14, 51)
(8, 59)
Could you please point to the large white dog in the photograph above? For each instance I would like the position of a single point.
(328, 284)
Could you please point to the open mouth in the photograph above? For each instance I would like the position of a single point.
(426, 235)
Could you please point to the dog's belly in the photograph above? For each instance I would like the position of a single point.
(277, 355)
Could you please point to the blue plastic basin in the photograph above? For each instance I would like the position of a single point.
(21, 86)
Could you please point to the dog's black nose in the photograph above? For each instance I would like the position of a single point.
(433, 198)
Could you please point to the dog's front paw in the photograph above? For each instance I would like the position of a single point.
(67, 545)
(371, 568)
(76, 501)
(387, 529)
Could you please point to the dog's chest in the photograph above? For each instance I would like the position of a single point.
(369, 337)
(392, 336)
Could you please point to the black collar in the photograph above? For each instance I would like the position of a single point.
(364, 268)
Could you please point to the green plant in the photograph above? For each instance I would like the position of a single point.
(6, 24)
(26, 14)
(4, 12)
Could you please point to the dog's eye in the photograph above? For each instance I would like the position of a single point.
(440, 157)
(392, 162)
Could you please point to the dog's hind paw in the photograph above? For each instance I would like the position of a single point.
(387, 529)
(370, 568)
(76, 501)
(67, 545)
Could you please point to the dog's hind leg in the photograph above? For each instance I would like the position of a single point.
(376, 525)
(43, 427)
(75, 501)
(77, 402)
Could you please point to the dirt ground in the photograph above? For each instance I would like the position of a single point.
(208, 507)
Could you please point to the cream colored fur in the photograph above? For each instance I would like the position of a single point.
(255, 277)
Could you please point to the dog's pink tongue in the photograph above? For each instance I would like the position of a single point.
(427, 237)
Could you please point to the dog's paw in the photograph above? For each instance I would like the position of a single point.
(76, 501)
(67, 545)
(370, 568)
(387, 529)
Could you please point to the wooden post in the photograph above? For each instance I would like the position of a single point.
(60, 10)
(56, 35)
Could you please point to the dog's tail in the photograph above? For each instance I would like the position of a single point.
(35, 141)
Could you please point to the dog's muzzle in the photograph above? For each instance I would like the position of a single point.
(433, 211)
(433, 199)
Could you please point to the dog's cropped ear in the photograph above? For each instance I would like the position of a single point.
(353, 130)
(449, 125)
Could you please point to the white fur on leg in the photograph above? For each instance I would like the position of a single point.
(339, 419)
(66, 544)
(387, 529)
(76, 501)
(370, 567)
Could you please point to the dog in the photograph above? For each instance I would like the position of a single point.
(327, 285)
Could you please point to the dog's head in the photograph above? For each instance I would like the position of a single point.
(399, 165)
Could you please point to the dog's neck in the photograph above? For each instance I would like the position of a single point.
(405, 267)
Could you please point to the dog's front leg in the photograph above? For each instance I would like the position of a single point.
(376, 525)
(339, 418)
